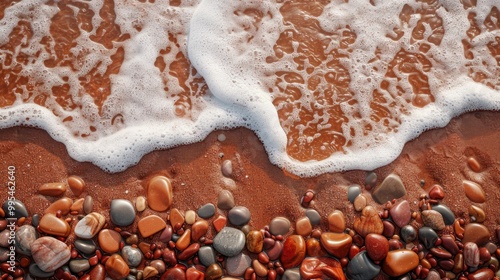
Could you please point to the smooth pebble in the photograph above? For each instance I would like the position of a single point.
(239, 215)
(229, 241)
(122, 212)
(206, 211)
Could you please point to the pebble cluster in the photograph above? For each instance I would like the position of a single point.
(72, 241)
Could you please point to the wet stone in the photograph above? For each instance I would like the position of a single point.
(360, 202)
(90, 225)
(291, 274)
(477, 213)
(206, 211)
(76, 185)
(294, 251)
(482, 274)
(35, 220)
(427, 236)
(98, 272)
(436, 192)
(236, 266)
(159, 193)
(219, 223)
(229, 241)
(80, 265)
(52, 189)
(176, 217)
(255, 241)
(279, 226)
(174, 273)
(476, 233)
(227, 168)
(35, 271)
(399, 262)
(132, 256)
(25, 236)
(388, 228)
(303, 226)
(150, 225)
(213, 272)
(184, 240)
(448, 216)
(361, 267)
(239, 215)
(336, 221)
(116, 267)
(433, 219)
(313, 217)
(433, 275)
(471, 254)
(166, 234)
(85, 246)
(275, 251)
(50, 253)
(401, 213)
(337, 244)
(353, 192)
(109, 240)
(199, 229)
(474, 191)
(4, 238)
(225, 200)
(64, 205)
(207, 256)
(88, 204)
(391, 188)
(51, 224)
(321, 268)
(369, 222)
(122, 212)
(20, 209)
(377, 246)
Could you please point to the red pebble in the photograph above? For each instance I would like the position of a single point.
(436, 192)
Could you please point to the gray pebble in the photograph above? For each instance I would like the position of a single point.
(4, 238)
(88, 204)
(239, 215)
(122, 212)
(427, 236)
(408, 233)
(80, 265)
(433, 275)
(362, 267)
(229, 241)
(291, 274)
(19, 210)
(391, 188)
(227, 168)
(236, 266)
(313, 217)
(225, 200)
(206, 211)
(85, 246)
(279, 226)
(3, 254)
(37, 272)
(25, 236)
(35, 220)
(447, 214)
(207, 256)
(353, 192)
(371, 180)
(132, 256)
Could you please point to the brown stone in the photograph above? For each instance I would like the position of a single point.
(321, 268)
(109, 240)
(474, 191)
(336, 221)
(477, 213)
(63, 204)
(150, 225)
(194, 274)
(159, 193)
(337, 244)
(294, 251)
(51, 224)
(183, 241)
(436, 192)
(314, 249)
(189, 252)
(369, 222)
(433, 219)
(482, 274)
(360, 202)
(476, 233)
(52, 189)
(76, 185)
(116, 267)
(77, 205)
(303, 226)
(149, 272)
(399, 262)
(199, 229)
(255, 241)
(174, 273)
(176, 217)
(473, 164)
(213, 272)
(260, 269)
(98, 272)
(377, 246)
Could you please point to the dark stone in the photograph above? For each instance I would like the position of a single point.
(361, 267)
(427, 236)
(19, 210)
(353, 192)
(447, 214)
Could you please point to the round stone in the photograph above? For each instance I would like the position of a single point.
(360, 202)
(98, 272)
(399, 262)
(51, 224)
(140, 203)
(408, 233)
(474, 192)
(279, 226)
(116, 267)
(77, 266)
(206, 211)
(19, 209)
(90, 225)
(294, 251)
(239, 215)
(109, 240)
(337, 244)
(336, 221)
(25, 236)
(159, 193)
(199, 229)
(313, 217)
(213, 272)
(352, 192)
(132, 256)
(76, 185)
(401, 213)
(377, 246)
(433, 219)
(229, 241)
(237, 265)
(122, 212)
(477, 214)
(391, 188)
(227, 168)
(174, 273)
(166, 234)
(190, 217)
(369, 222)
(303, 226)
(361, 267)
(225, 200)
(427, 236)
(150, 225)
(207, 256)
(52, 189)
(255, 241)
(49, 253)
(476, 233)
(85, 246)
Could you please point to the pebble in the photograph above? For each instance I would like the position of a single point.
(77, 266)
(3, 254)
(35, 271)
(190, 217)
(149, 272)
(176, 217)
(361, 267)
(109, 240)
(183, 242)
(219, 223)
(150, 225)
(448, 216)
(275, 251)
(174, 273)
(391, 188)
(116, 267)
(474, 191)
(49, 253)
(433, 275)
(313, 216)
(132, 256)
(389, 229)
(482, 274)
(239, 215)
(401, 213)
(255, 241)
(4, 238)
(476, 233)
(477, 213)
(229, 241)
(122, 212)
(189, 252)
(35, 220)
(291, 274)
(227, 168)
(52, 189)
(207, 256)
(85, 246)
(377, 246)
(448, 242)
(337, 244)
(352, 192)
(88, 204)
(237, 265)
(399, 262)
(303, 226)
(259, 269)
(440, 253)
(159, 193)
(321, 268)
(51, 224)
(433, 219)
(166, 234)
(427, 236)
(294, 251)
(471, 254)
(159, 265)
(25, 236)
(76, 185)
(90, 225)
(199, 229)
(140, 203)
(213, 272)
(436, 192)
(279, 226)
(20, 209)
(360, 202)
(473, 164)
(64, 204)
(370, 180)
(98, 272)
(369, 222)
(336, 221)
(206, 211)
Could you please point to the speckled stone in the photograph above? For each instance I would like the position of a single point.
(50, 253)
(391, 188)
(239, 215)
(352, 192)
(279, 226)
(19, 209)
(206, 211)
(433, 219)
(25, 236)
(225, 200)
(236, 266)
(122, 212)
(313, 217)
(362, 268)
(255, 241)
(401, 213)
(207, 256)
(448, 216)
(229, 241)
(132, 256)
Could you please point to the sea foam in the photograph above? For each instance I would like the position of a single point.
(326, 88)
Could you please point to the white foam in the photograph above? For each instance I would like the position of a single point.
(229, 50)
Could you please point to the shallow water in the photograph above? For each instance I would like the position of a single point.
(326, 85)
